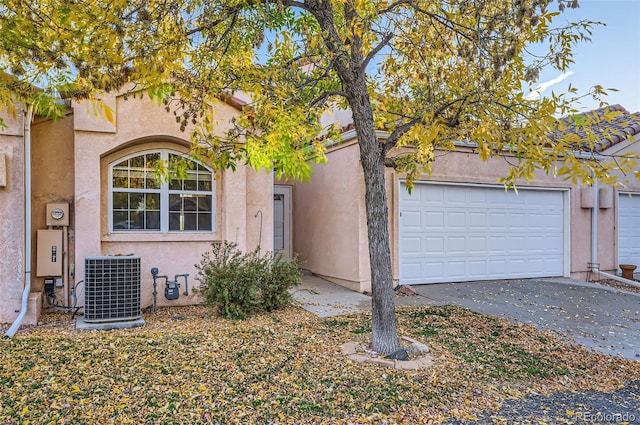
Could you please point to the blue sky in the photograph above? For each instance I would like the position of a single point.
(611, 59)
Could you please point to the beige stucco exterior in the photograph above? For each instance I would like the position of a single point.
(330, 223)
(70, 162)
(12, 241)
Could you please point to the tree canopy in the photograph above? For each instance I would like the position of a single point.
(436, 71)
(429, 73)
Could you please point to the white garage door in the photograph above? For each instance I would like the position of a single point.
(455, 233)
(629, 229)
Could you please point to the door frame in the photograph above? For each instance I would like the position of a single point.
(286, 192)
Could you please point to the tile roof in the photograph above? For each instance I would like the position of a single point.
(603, 132)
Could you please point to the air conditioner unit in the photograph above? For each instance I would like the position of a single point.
(111, 288)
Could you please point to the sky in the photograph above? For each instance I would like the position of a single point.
(611, 59)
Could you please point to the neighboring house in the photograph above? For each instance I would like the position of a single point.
(102, 172)
(459, 224)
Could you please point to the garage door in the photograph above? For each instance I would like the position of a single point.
(629, 229)
(455, 233)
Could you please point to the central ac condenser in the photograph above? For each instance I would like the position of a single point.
(111, 288)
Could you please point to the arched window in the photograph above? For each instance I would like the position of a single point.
(140, 201)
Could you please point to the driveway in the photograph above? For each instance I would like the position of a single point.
(601, 318)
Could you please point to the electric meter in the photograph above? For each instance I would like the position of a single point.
(57, 213)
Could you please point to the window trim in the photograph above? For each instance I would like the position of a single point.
(164, 192)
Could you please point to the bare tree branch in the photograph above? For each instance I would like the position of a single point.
(384, 42)
(326, 95)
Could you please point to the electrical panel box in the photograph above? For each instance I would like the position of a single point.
(57, 214)
(50, 253)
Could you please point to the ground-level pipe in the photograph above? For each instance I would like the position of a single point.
(616, 277)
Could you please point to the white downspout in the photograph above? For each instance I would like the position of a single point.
(594, 224)
(27, 223)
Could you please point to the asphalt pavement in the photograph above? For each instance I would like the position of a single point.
(599, 317)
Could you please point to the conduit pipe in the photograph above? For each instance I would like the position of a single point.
(616, 277)
(27, 224)
(594, 222)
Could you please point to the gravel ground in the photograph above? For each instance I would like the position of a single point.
(618, 285)
(584, 407)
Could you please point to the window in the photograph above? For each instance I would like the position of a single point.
(140, 201)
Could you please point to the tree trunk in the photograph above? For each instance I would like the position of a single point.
(384, 337)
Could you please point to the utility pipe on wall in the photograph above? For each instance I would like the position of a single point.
(594, 222)
(27, 224)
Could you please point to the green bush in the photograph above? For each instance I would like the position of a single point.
(240, 284)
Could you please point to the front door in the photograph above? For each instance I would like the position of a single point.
(282, 220)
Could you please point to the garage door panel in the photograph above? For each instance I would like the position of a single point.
(496, 268)
(516, 245)
(477, 220)
(538, 221)
(412, 220)
(433, 219)
(455, 245)
(537, 244)
(413, 270)
(454, 197)
(497, 220)
(477, 269)
(497, 245)
(475, 199)
(434, 245)
(517, 221)
(628, 229)
(479, 233)
(456, 220)
(455, 269)
(477, 245)
(432, 268)
(411, 245)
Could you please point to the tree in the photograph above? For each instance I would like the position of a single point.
(428, 72)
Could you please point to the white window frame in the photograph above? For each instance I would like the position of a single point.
(164, 195)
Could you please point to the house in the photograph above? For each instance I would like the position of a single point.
(92, 190)
(92, 187)
(458, 224)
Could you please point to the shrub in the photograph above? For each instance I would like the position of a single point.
(239, 284)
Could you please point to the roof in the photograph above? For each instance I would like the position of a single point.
(604, 131)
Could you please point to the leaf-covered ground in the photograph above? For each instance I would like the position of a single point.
(186, 366)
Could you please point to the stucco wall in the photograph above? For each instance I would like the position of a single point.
(259, 226)
(140, 125)
(328, 239)
(52, 179)
(327, 219)
(12, 254)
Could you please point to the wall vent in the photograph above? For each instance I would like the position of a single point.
(111, 288)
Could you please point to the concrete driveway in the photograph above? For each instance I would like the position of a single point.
(598, 317)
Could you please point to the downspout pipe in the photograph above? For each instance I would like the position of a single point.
(27, 224)
(594, 222)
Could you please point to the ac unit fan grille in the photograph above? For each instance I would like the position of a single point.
(112, 288)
